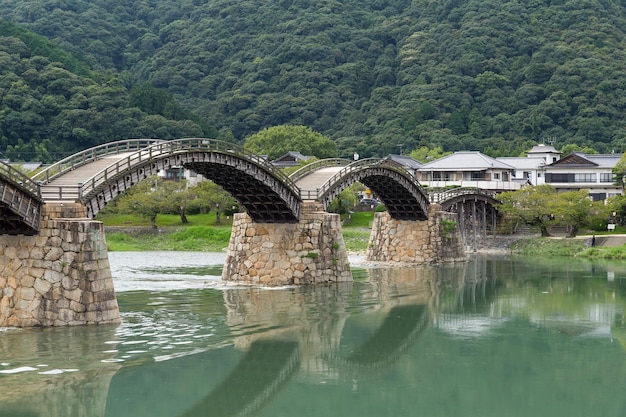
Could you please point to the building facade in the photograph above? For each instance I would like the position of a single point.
(469, 169)
(579, 171)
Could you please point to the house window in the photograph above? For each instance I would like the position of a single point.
(527, 175)
(585, 178)
(496, 175)
(478, 176)
(606, 177)
(505, 176)
(552, 178)
(442, 176)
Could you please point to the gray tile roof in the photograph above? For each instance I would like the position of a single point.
(406, 161)
(577, 160)
(523, 162)
(541, 148)
(465, 161)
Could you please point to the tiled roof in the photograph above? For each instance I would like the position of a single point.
(541, 148)
(291, 156)
(579, 159)
(406, 161)
(465, 161)
(522, 162)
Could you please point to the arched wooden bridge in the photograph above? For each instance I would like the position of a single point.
(98, 175)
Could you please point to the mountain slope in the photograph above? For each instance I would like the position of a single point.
(52, 104)
(377, 76)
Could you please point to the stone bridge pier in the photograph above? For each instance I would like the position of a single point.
(60, 276)
(310, 251)
(434, 240)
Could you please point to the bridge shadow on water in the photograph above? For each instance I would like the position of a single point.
(267, 366)
(322, 337)
(207, 384)
(398, 332)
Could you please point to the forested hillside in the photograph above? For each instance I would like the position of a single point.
(52, 104)
(376, 76)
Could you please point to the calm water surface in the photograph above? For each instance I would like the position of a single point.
(497, 336)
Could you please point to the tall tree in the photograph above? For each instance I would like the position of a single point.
(278, 140)
(208, 196)
(532, 205)
(619, 172)
(575, 209)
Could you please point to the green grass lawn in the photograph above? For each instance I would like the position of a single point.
(566, 247)
(162, 220)
(201, 233)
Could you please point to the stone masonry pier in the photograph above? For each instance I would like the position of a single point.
(308, 252)
(59, 277)
(437, 239)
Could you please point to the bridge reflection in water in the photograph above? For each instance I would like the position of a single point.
(302, 333)
(267, 365)
(293, 348)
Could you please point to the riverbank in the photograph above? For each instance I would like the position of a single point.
(215, 238)
(125, 233)
(198, 238)
(582, 246)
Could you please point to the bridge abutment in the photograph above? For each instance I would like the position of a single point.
(60, 276)
(308, 252)
(437, 239)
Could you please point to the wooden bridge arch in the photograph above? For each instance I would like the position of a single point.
(476, 210)
(20, 203)
(267, 194)
(401, 193)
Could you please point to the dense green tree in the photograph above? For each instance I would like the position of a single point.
(575, 209)
(148, 198)
(207, 196)
(424, 154)
(542, 206)
(567, 149)
(278, 140)
(532, 205)
(476, 74)
(47, 111)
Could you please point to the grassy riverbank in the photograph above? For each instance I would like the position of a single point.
(578, 248)
(133, 233)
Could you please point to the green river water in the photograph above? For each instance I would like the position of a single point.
(497, 336)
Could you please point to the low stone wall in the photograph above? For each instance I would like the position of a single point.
(437, 239)
(59, 277)
(311, 251)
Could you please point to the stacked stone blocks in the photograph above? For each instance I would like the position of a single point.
(59, 277)
(437, 239)
(308, 252)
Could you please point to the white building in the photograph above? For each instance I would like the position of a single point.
(531, 168)
(579, 171)
(469, 169)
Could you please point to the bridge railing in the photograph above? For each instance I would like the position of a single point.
(352, 167)
(164, 148)
(438, 197)
(19, 179)
(74, 161)
(316, 165)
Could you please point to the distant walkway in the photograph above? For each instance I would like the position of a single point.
(606, 240)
